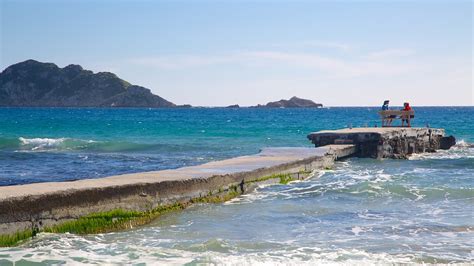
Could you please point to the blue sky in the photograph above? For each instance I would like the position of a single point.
(217, 53)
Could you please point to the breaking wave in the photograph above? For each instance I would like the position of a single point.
(23, 144)
(461, 149)
(34, 144)
(94, 250)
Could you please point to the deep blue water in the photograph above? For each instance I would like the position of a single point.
(364, 211)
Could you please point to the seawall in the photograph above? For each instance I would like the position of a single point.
(35, 207)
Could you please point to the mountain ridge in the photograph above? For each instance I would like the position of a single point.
(36, 84)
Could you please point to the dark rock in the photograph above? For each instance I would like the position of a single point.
(447, 142)
(184, 106)
(294, 102)
(396, 143)
(33, 83)
(233, 106)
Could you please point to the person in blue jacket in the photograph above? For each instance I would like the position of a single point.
(388, 119)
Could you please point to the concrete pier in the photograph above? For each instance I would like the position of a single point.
(387, 142)
(23, 207)
(33, 207)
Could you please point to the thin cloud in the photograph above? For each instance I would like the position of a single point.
(390, 53)
(348, 67)
(315, 43)
(335, 67)
(184, 61)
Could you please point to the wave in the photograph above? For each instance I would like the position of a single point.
(362, 179)
(462, 149)
(52, 144)
(71, 249)
(23, 144)
(463, 144)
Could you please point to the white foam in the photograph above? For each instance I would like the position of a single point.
(416, 192)
(463, 144)
(462, 149)
(357, 230)
(41, 143)
(97, 254)
(44, 144)
(370, 216)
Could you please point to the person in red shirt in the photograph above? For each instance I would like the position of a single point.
(406, 107)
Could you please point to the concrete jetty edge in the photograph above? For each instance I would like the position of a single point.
(386, 142)
(37, 207)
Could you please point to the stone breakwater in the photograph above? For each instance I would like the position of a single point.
(396, 143)
(122, 201)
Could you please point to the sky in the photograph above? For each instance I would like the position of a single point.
(218, 53)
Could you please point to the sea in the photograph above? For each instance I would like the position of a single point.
(363, 211)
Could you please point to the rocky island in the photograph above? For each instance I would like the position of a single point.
(293, 102)
(36, 84)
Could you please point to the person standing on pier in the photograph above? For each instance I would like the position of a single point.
(406, 107)
(388, 120)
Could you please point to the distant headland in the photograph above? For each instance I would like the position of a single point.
(36, 84)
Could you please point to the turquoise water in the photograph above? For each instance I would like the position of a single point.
(55, 144)
(363, 211)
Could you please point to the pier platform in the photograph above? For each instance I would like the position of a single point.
(40, 205)
(386, 142)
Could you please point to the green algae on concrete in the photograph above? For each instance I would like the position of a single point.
(284, 178)
(15, 239)
(114, 220)
(95, 223)
(238, 175)
(119, 219)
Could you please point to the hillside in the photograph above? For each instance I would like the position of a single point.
(37, 84)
